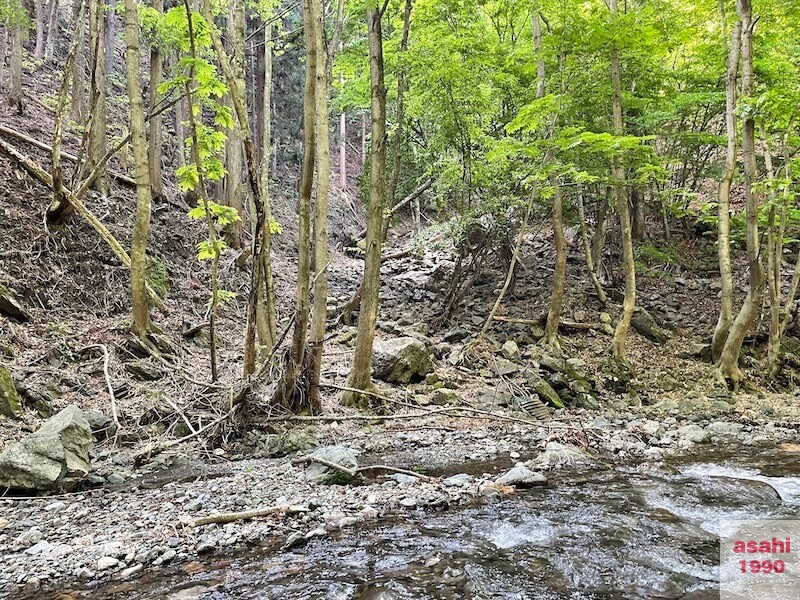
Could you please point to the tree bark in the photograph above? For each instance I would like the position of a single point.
(587, 251)
(728, 365)
(287, 393)
(156, 147)
(97, 117)
(724, 199)
(15, 93)
(52, 30)
(78, 105)
(265, 309)
(619, 341)
(360, 374)
(322, 143)
(40, 14)
(140, 324)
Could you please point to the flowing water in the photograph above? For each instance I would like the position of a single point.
(636, 531)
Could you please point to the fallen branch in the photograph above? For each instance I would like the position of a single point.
(44, 177)
(407, 251)
(48, 148)
(542, 320)
(289, 509)
(150, 451)
(352, 472)
(404, 202)
(106, 374)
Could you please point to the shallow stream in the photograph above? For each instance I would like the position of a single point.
(635, 531)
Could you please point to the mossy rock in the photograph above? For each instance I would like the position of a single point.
(10, 404)
(157, 276)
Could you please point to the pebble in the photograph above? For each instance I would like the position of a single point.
(55, 507)
(106, 562)
(408, 502)
(459, 480)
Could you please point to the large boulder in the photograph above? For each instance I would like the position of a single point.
(324, 475)
(400, 360)
(644, 323)
(10, 405)
(58, 455)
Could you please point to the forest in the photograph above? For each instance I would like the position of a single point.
(406, 299)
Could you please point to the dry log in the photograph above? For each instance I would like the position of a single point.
(289, 509)
(352, 472)
(70, 157)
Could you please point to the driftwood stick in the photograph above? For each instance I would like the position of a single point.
(289, 509)
(355, 471)
(107, 375)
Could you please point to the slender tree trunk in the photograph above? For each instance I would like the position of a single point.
(618, 343)
(322, 143)
(360, 375)
(78, 105)
(156, 147)
(639, 226)
(724, 199)
(587, 251)
(728, 365)
(560, 272)
(265, 310)
(97, 126)
(110, 35)
(233, 189)
(40, 14)
(601, 228)
(363, 140)
(343, 151)
(287, 393)
(15, 93)
(397, 146)
(140, 325)
(774, 252)
(52, 31)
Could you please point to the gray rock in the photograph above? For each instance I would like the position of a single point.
(504, 366)
(115, 479)
(106, 562)
(510, 350)
(543, 389)
(101, 424)
(456, 335)
(143, 370)
(401, 360)
(443, 396)
(643, 322)
(322, 475)
(521, 477)
(692, 433)
(724, 429)
(721, 406)
(404, 479)
(40, 547)
(459, 480)
(408, 502)
(10, 404)
(57, 455)
(559, 456)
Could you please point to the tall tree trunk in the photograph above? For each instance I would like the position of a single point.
(110, 34)
(587, 252)
(156, 147)
(140, 325)
(775, 235)
(40, 14)
(360, 375)
(560, 272)
(233, 194)
(265, 309)
(728, 365)
(15, 93)
(638, 226)
(78, 104)
(618, 343)
(322, 143)
(343, 151)
(397, 146)
(52, 31)
(97, 126)
(287, 394)
(724, 199)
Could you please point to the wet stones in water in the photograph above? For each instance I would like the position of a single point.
(340, 455)
(559, 456)
(401, 360)
(57, 455)
(521, 476)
